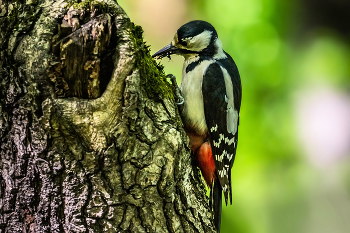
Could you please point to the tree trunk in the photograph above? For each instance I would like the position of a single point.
(91, 140)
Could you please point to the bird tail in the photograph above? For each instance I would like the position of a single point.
(215, 204)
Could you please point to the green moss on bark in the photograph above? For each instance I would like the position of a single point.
(91, 6)
(21, 16)
(152, 73)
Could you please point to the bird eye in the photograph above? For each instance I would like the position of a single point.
(183, 42)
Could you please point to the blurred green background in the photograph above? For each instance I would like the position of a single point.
(291, 172)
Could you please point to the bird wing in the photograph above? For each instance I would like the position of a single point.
(222, 120)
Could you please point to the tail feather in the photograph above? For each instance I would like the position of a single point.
(226, 196)
(217, 201)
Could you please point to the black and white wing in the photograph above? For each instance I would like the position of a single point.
(222, 116)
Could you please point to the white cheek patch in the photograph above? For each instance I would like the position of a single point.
(199, 42)
(231, 113)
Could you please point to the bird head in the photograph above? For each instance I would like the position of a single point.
(192, 39)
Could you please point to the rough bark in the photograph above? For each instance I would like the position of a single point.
(91, 140)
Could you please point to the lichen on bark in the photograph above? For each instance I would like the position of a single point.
(91, 140)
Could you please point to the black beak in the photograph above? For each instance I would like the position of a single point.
(165, 52)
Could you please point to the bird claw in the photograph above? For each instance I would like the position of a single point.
(182, 101)
(177, 93)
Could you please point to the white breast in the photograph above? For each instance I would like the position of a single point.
(191, 89)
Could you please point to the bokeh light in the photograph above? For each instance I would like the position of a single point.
(292, 170)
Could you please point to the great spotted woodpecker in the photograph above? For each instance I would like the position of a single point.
(211, 88)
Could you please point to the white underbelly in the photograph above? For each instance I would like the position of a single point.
(191, 89)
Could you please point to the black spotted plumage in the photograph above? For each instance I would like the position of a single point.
(215, 108)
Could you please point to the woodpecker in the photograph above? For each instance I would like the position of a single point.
(211, 89)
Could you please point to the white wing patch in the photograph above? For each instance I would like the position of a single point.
(229, 156)
(214, 129)
(232, 114)
(221, 138)
(230, 141)
(221, 157)
(224, 172)
(225, 139)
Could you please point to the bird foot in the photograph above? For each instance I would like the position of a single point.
(179, 100)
